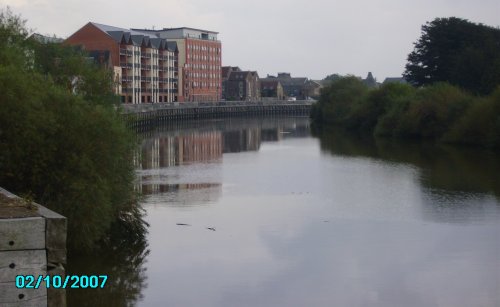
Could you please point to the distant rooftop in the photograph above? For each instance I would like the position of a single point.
(183, 32)
(394, 80)
(107, 28)
(44, 39)
(138, 38)
(187, 28)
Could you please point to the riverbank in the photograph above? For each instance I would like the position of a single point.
(143, 117)
(439, 112)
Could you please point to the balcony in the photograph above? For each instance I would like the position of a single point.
(126, 65)
(125, 52)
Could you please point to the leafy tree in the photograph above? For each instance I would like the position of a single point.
(336, 100)
(332, 77)
(71, 151)
(456, 51)
(71, 68)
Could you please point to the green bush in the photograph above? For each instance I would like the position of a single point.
(336, 101)
(441, 111)
(480, 125)
(432, 110)
(72, 152)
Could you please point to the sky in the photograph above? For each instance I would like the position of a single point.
(311, 38)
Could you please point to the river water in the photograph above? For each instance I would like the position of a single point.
(258, 212)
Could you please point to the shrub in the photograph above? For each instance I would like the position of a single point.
(72, 152)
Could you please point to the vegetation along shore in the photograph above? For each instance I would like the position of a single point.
(453, 93)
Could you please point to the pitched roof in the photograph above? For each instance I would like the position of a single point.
(292, 81)
(395, 80)
(138, 38)
(108, 28)
(238, 75)
(267, 82)
(171, 46)
(187, 28)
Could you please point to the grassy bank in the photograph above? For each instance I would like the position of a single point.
(441, 112)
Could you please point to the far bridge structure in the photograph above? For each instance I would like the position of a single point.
(147, 115)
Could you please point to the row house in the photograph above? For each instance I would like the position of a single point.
(241, 85)
(200, 59)
(292, 86)
(271, 90)
(145, 65)
(226, 73)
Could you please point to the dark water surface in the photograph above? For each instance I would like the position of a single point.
(257, 212)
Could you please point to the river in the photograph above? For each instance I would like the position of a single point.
(258, 212)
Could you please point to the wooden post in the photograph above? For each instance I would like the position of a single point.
(34, 245)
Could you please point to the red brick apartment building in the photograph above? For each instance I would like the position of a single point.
(145, 65)
(199, 62)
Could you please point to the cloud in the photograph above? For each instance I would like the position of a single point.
(308, 38)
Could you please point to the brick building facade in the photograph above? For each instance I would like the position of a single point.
(242, 85)
(145, 65)
(200, 58)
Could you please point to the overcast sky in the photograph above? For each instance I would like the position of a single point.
(311, 38)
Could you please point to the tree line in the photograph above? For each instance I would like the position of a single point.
(453, 93)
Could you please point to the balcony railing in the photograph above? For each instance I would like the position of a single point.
(126, 65)
(125, 52)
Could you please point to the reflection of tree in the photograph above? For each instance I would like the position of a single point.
(123, 262)
(445, 167)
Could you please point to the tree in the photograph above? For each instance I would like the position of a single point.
(70, 151)
(456, 51)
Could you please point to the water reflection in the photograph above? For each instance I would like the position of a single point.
(459, 184)
(444, 167)
(256, 212)
(125, 266)
(199, 147)
(333, 221)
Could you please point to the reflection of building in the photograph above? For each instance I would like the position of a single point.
(154, 188)
(241, 140)
(167, 151)
(271, 135)
(202, 146)
(176, 150)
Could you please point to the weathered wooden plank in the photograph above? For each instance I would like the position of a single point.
(27, 262)
(10, 296)
(55, 235)
(22, 233)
